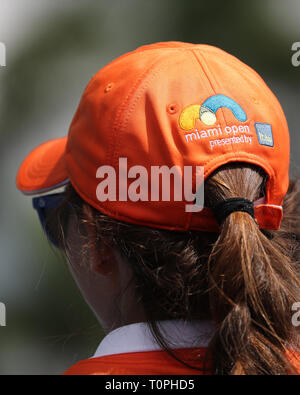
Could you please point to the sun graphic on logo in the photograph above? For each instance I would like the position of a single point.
(207, 116)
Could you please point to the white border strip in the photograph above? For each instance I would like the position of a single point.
(37, 192)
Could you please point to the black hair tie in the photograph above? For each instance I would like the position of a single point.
(223, 209)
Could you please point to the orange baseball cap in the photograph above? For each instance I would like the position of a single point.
(168, 104)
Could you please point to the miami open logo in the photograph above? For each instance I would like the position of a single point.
(207, 112)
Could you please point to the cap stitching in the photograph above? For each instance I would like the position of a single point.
(212, 77)
(130, 108)
(118, 127)
(204, 71)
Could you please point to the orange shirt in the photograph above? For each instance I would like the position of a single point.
(149, 363)
(131, 350)
(141, 363)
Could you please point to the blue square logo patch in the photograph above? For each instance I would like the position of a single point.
(264, 134)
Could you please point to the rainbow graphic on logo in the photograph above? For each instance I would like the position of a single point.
(207, 112)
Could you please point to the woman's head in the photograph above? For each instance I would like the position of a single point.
(174, 117)
(243, 279)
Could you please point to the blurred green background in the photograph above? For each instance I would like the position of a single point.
(53, 49)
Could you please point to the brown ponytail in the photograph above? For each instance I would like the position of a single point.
(254, 282)
(244, 279)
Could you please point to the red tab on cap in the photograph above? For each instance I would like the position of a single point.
(268, 216)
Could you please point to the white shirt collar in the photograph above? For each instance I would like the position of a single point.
(138, 338)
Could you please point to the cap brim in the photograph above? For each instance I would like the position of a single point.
(44, 168)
